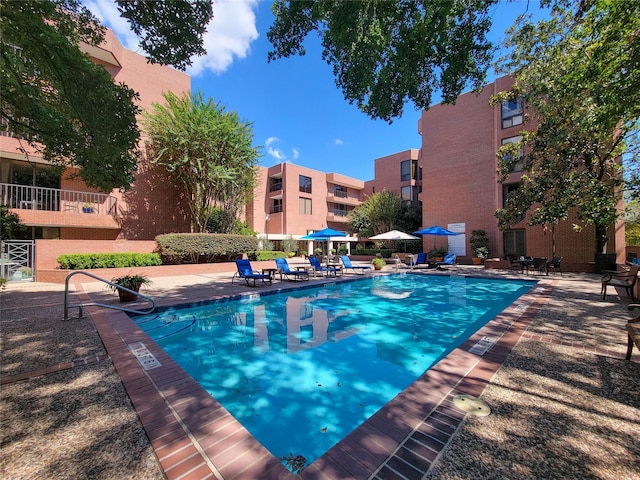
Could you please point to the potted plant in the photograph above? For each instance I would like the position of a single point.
(378, 263)
(130, 281)
(437, 254)
(479, 246)
(87, 208)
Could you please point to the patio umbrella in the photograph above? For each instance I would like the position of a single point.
(323, 235)
(436, 231)
(394, 235)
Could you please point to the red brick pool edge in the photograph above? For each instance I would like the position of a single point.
(194, 437)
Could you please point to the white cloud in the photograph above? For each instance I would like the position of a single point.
(337, 141)
(228, 36)
(278, 153)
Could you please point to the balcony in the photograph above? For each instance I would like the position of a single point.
(39, 206)
(336, 215)
(341, 197)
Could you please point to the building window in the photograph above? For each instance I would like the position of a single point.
(512, 113)
(275, 184)
(408, 170)
(409, 194)
(508, 190)
(514, 243)
(277, 205)
(305, 206)
(305, 184)
(340, 191)
(518, 166)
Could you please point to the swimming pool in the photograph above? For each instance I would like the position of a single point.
(302, 369)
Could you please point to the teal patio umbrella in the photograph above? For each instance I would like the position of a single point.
(436, 231)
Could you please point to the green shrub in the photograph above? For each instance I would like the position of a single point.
(263, 255)
(86, 261)
(177, 248)
(384, 252)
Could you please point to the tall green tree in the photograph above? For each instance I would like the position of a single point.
(578, 73)
(387, 52)
(61, 103)
(379, 213)
(207, 150)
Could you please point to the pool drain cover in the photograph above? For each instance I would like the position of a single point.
(472, 405)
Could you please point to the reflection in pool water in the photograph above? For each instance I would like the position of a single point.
(302, 369)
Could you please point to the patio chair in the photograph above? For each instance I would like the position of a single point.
(633, 331)
(328, 271)
(621, 278)
(555, 264)
(245, 271)
(449, 260)
(359, 269)
(539, 265)
(285, 270)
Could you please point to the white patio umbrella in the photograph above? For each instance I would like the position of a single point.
(394, 235)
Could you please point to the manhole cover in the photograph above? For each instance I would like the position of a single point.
(472, 405)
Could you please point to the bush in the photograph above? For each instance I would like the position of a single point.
(384, 252)
(437, 252)
(263, 255)
(177, 248)
(86, 261)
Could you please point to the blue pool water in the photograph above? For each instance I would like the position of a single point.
(302, 369)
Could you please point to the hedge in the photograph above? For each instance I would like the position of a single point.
(177, 248)
(83, 261)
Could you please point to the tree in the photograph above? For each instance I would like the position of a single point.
(378, 214)
(65, 106)
(579, 77)
(10, 226)
(205, 149)
(385, 53)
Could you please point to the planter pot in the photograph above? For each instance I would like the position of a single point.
(87, 209)
(128, 296)
(377, 267)
(476, 260)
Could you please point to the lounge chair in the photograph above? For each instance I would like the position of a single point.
(449, 260)
(359, 269)
(328, 271)
(245, 271)
(622, 278)
(422, 259)
(285, 270)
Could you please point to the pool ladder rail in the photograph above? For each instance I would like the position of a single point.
(81, 306)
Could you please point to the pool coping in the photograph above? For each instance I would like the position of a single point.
(193, 436)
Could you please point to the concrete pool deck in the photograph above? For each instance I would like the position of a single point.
(556, 381)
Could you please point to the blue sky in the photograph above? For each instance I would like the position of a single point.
(298, 114)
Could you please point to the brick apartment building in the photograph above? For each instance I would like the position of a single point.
(460, 188)
(453, 177)
(53, 205)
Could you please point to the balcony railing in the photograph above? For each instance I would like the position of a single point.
(26, 197)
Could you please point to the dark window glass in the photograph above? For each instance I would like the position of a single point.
(305, 184)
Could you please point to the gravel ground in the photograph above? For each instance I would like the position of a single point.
(558, 411)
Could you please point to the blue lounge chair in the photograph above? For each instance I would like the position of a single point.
(346, 261)
(284, 268)
(421, 259)
(245, 271)
(449, 260)
(328, 271)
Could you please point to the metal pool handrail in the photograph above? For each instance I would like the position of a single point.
(114, 307)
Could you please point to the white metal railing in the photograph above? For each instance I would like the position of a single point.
(26, 197)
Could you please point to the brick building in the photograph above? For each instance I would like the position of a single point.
(460, 188)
